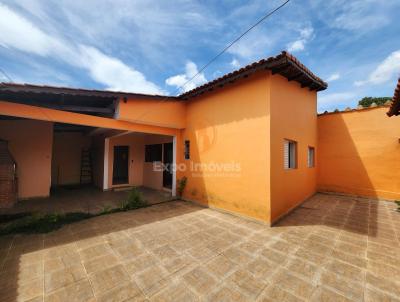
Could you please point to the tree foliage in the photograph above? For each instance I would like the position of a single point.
(367, 101)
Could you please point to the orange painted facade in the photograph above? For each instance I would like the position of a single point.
(164, 112)
(236, 133)
(30, 143)
(359, 153)
(293, 117)
(223, 129)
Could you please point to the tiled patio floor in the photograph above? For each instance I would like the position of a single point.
(332, 248)
(83, 199)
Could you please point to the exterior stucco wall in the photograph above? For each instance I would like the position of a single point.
(30, 143)
(140, 172)
(98, 161)
(66, 159)
(164, 112)
(151, 178)
(293, 117)
(359, 153)
(231, 125)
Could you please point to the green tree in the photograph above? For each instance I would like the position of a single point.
(367, 101)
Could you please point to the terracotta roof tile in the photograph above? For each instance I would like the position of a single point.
(395, 107)
(284, 64)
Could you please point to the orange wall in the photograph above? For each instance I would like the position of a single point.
(66, 160)
(164, 113)
(30, 143)
(231, 125)
(98, 160)
(140, 173)
(359, 153)
(294, 117)
(136, 157)
(153, 179)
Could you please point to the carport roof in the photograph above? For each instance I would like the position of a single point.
(44, 89)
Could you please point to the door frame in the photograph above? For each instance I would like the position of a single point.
(128, 147)
(169, 189)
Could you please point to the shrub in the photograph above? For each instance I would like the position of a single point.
(181, 186)
(367, 101)
(135, 200)
(398, 205)
(44, 223)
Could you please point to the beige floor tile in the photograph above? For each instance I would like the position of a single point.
(220, 266)
(165, 252)
(294, 285)
(63, 277)
(303, 268)
(273, 294)
(120, 293)
(200, 281)
(175, 292)
(178, 251)
(95, 251)
(247, 283)
(391, 287)
(80, 291)
(260, 268)
(274, 256)
(349, 289)
(377, 296)
(129, 251)
(108, 278)
(326, 295)
(384, 270)
(152, 280)
(346, 270)
(227, 294)
(23, 292)
(100, 263)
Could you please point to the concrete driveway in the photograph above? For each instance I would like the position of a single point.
(333, 248)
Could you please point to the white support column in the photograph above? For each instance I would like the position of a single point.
(174, 166)
(105, 174)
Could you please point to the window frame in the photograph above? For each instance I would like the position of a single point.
(313, 157)
(152, 156)
(292, 163)
(186, 149)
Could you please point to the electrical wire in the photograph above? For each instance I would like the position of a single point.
(179, 88)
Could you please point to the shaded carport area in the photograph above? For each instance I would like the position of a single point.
(73, 153)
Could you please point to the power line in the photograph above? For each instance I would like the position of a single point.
(270, 13)
(234, 41)
(6, 75)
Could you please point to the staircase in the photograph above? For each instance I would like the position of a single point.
(86, 167)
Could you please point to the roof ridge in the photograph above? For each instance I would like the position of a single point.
(288, 61)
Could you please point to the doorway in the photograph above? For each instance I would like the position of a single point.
(167, 161)
(121, 165)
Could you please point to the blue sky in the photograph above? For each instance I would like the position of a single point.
(154, 46)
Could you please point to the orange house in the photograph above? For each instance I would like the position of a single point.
(246, 142)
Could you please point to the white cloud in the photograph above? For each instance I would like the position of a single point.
(333, 77)
(297, 45)
(114, 73)
(331, 99)
(385, 71)
(235, 63)
(184, 82)
(255, 44)
(359, 16)
(19, 33)
(306, 35)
